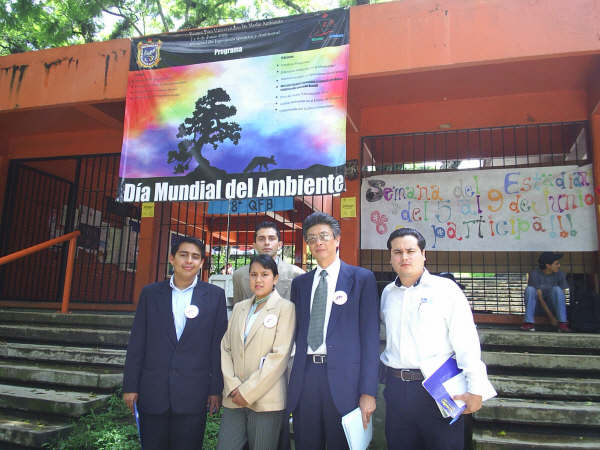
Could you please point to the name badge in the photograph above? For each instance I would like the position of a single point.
(340, 297)
(270, 320)
(191, 311)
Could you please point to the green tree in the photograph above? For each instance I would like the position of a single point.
(34, 25)
(208, 125)
(31, 25)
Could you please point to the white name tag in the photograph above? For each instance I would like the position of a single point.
(340, 297)
(191, 311)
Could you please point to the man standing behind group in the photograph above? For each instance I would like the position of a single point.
(426, 318)
(267, 241)
(173, 363)
(337, 341)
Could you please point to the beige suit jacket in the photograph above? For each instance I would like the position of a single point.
(257, 367)
(241, 280)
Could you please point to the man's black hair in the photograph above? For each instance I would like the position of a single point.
(548, 258)
(401, 232)
(190, 240)
(318, 218)
(267, 224)
(266, 261)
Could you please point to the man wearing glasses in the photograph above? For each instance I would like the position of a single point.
(337, 341)
(267, 241)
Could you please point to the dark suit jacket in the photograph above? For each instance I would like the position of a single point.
(352, 338)
(167, 373)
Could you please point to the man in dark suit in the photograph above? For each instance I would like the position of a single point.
(173, 364)
(337, 341)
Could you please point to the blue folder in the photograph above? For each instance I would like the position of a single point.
(136, 414)
(434, 385)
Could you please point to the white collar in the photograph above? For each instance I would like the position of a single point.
(191, 286)
(334, 267)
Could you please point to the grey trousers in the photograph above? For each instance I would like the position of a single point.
(260, 430)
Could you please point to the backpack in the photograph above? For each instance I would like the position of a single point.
(584, 308)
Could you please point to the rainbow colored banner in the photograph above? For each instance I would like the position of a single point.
(252, 110)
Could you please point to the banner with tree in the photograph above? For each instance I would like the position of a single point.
(250, 110)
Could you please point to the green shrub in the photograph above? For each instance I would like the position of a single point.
(113, 428)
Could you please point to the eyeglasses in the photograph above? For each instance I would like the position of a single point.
(323, 236)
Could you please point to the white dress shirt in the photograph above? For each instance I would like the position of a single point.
(181, 299)
(432, 319)
(333, 270)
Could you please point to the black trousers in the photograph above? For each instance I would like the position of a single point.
(172, 431)
(413, 420)
(317, 422)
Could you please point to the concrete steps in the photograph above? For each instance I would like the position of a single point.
(56, 367)
(503, 440)
(554, 387)
(83, 355)
(67, 335)
(537, 412)
(29, 430)
(43, 373)
(548, 387)
(49, 401)
(542, 361)
(566, 342)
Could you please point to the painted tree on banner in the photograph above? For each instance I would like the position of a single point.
(207, 126)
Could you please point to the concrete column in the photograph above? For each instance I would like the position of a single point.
(148, 245)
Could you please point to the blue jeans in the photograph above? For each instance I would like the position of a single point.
(556, 303)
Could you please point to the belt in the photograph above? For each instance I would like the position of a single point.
(317, 359)
(407, 374)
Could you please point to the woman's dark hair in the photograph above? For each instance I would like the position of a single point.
(266, 261)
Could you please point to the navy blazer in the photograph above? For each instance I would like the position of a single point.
(167, 373)
(352, 338)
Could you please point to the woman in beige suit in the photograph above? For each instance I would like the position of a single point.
(254, 356)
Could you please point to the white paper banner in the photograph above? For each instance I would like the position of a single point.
(516, 209)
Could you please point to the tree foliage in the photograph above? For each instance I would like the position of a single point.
(208, 125)
(31, 25)
(34, 24)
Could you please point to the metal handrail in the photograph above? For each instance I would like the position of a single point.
(72, 238)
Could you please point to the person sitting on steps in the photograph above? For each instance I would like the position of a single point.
(547, 286)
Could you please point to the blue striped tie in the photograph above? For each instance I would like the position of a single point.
(317, 314)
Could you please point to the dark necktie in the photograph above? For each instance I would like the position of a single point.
(317, 313)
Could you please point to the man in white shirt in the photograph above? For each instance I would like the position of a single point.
(427, 318)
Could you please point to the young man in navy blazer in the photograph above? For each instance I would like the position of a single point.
(173, 363)
(337, 341)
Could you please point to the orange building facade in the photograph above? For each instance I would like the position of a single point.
(416, 67)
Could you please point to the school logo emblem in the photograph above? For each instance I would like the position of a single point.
(148, 54)
(323, 28)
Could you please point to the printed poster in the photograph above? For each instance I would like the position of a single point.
(251, 110)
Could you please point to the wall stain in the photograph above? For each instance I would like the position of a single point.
(49, 65)
(13, 70)
(106, 65)
(74, 60)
